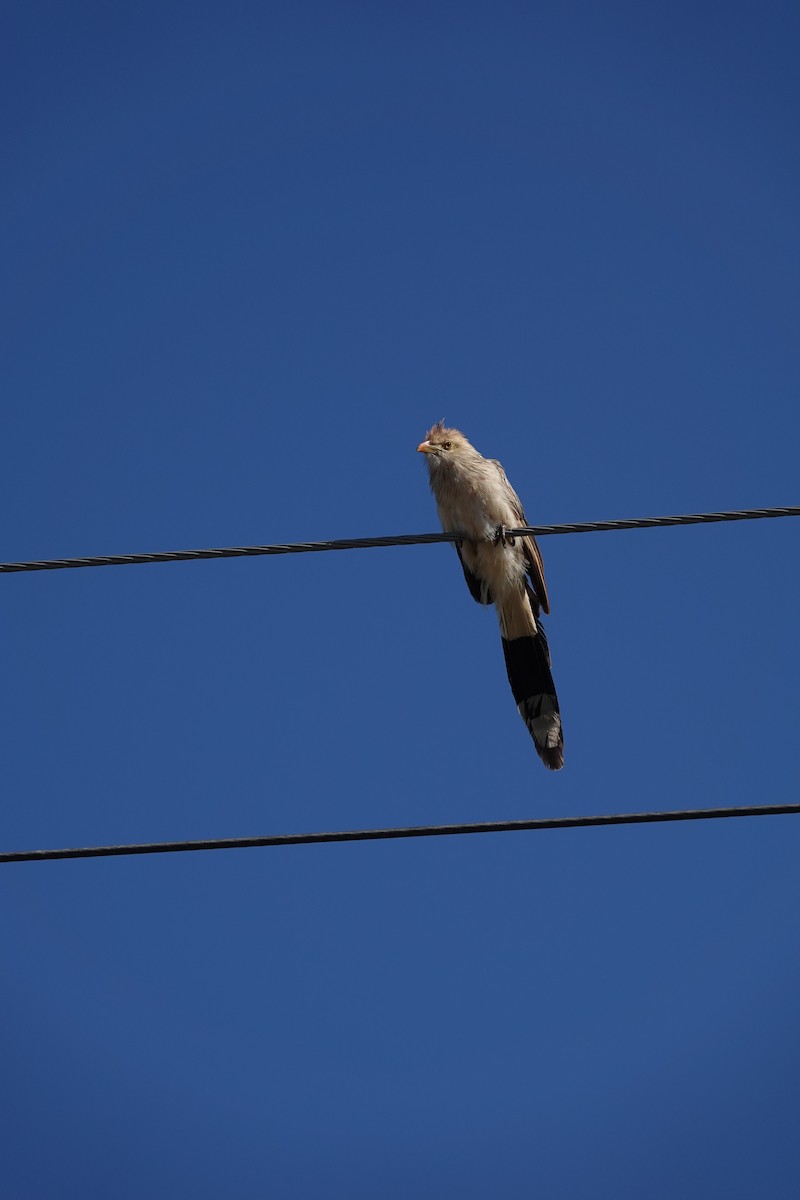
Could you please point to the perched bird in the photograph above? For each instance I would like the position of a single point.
(474, 497)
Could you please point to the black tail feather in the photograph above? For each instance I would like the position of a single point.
(528, 667)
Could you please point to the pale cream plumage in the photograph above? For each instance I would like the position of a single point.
(473, 497)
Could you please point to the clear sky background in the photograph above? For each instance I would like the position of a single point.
(250, 254)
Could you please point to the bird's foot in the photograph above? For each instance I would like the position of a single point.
(503, 538)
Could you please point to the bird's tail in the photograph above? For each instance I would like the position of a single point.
(528, 664)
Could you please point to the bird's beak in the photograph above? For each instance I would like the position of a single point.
(424, 448)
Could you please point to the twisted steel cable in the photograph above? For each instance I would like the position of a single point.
(403, 539)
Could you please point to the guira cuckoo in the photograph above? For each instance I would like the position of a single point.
(474, 497)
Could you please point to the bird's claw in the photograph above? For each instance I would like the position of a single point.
(503, 538)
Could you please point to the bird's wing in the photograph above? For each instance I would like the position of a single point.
(533, 555)
(478, 590)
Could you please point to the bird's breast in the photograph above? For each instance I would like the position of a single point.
(501, 568)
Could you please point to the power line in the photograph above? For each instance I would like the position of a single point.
(412, 831)
(403, 539)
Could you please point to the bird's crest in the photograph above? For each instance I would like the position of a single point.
(441, 433)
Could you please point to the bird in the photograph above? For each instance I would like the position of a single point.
(474, 498)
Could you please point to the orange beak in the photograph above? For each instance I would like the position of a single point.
(424, 448)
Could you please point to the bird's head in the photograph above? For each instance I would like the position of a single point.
(443, 447)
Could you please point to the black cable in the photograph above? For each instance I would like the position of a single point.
(403, 539)
(412, 831)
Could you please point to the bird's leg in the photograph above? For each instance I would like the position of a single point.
(503, 538)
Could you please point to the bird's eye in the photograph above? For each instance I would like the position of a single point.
(445, 445)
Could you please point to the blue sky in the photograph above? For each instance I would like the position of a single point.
(250, 254)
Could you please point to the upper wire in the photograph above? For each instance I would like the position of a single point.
(402, 539)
